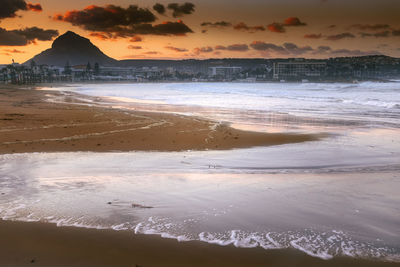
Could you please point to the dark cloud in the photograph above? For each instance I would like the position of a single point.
(382, 34)
(176, 49)
(115, 21)
(34, 7)
(340, 36)
(323, 49)
(108, 18)
(262, 46)
(218, 24)
(9, 8)
(234, 47)
(200, 50)
(25, 36)
(178, 10)
(244, 27)
(368, 27)
(159, 8)
(293, 21)
(165, 28)
(292, 48)
(134, 47)
(276, 27)
(313, 36)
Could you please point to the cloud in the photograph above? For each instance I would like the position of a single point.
(293, 21)
(322, 49)
(289, 22)
(233, 47)
(108, 18)
(178, 10)
(159, 8)
(121, 22)
(136, 39)
(382, 34)
(200, 50)
(25, 36)
(134, 47)
(340, 36)
(10, 7)
(291, 49)
(101, 36)
(15, 51)
(218, 24)
(34, 7)
(369, 27)
(262, 46)
(165, 28)
(241, 26)
(152, 53)
(276, 27)
(176, 49)
(313, 36)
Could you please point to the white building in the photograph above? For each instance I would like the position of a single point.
(224, 72)
(299, 70)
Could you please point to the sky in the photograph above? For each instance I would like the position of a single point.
(141, 29)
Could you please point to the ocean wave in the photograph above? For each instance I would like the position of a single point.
(320, 244)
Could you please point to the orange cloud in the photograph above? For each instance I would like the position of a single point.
(293, 21)
(135, 39)
(244, 27)
(34, 7)
(276, 27)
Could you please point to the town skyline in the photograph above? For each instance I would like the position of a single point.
(199, 30)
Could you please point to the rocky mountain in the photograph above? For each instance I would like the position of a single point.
(75, 49)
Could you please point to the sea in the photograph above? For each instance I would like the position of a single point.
(338, 196)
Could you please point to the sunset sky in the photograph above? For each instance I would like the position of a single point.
(138, 29)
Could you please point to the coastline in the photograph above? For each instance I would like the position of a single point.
(29, 123)
(32, 124)
(27, 243)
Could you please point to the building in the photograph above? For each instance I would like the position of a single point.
(297, 70)
(224, 72)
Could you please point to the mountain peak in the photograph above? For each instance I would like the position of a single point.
(71, 39)
(73, 48)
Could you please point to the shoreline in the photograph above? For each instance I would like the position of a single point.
(29, 123)
(44, 244)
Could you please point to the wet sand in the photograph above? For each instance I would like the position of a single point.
(29, 123)
(38, 244)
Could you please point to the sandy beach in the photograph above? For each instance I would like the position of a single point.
(297, 186)
(28, 123)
